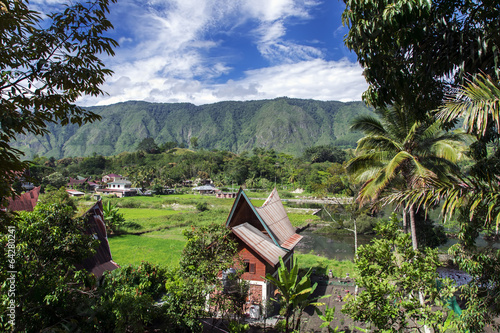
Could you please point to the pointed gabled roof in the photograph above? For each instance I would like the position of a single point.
(274, 214)
(102, 260)
(260, 243)
(270, 220)
(26, 201)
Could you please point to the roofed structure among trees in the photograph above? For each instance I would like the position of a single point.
(264, 234)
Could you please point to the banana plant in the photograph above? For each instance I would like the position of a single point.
(112, 217)
(295, 293)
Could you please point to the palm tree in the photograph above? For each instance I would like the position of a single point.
(474, 198)
(398, 153)
(478, 103)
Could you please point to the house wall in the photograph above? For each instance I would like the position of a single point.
(260, 267)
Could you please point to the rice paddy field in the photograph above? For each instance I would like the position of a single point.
(154, 225)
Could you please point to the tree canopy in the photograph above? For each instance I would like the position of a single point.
(412, 51)
(46, 64)
(149, 146)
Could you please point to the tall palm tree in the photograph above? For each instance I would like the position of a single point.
(398, 153)
(476, 195)
(478, 103)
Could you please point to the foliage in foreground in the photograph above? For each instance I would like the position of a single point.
(47, 63)
(53, 293)
(295, 293)
(211, 253)
(400, 289)
(472, 198)
(49, 244)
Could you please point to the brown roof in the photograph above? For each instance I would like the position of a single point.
(259, 242)
(73, 181)
(267, 230)
(26, 201)
(113, 175)
(102, 260)
(274, 215)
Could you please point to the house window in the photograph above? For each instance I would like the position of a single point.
(246, 262)
(249, 267)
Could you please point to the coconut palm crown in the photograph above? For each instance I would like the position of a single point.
(398, 153)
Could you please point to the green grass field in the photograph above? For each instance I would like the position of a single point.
(154, 226)
(323, 265)
(132, 250)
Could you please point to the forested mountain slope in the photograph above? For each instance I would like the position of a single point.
(284, 124)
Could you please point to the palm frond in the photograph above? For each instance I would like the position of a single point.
(365, 162)
(476, 101)
(368, 125)
(377, 142)
(453, 193)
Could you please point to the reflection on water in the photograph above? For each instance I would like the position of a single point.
(340, 247)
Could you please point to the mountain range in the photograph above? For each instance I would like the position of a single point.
(284, 124)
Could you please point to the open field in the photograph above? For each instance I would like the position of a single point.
(154, 226)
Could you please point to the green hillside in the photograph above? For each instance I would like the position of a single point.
(284, 124)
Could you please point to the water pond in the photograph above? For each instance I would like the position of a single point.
(341, 247)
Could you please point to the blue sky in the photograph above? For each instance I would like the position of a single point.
(214, 50)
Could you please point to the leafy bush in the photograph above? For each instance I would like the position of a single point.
(286, 195)
(202, 206)
(137, 298)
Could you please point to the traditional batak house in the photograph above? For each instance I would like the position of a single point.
(25, 202)
(264, 234)
(102, 260)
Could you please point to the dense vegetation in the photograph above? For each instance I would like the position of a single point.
(434, 61)
(414, 54)
(319, 170)
(284, 124)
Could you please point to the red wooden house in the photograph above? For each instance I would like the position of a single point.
(264, 234)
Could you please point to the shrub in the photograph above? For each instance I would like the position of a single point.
(202, 206)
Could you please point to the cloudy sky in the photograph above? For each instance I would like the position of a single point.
(205, 51)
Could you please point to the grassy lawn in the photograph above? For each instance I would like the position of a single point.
(132, 250)
(142, 219)
(323, 265)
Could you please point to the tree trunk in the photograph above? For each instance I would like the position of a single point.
(415, 247)
(405, 221)
(413, 228)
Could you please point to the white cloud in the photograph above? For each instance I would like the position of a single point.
(271, 10)
(164, 47)
(315, 79)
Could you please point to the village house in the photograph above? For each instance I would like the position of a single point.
(264, 234)
(75, 193)
(226, 195)
(102, 260)
(205, 189)
(94, 219)
(117, 185)
(82, 183)
(24, 202)
(113, 177)
(121, 188)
